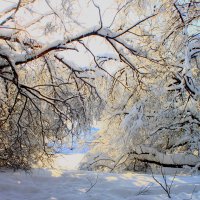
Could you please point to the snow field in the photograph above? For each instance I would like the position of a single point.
(63, 183)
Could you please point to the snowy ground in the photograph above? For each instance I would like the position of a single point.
(63, 183)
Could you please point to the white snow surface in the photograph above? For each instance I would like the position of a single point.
(65, 182)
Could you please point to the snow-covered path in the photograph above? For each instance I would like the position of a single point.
(61, 184)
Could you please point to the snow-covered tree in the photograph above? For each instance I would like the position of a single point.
(47, 92)
(55, 81)
(155, 118)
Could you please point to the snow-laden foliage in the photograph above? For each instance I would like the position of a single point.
(60, 69)
(153, 111)
(52, 73)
